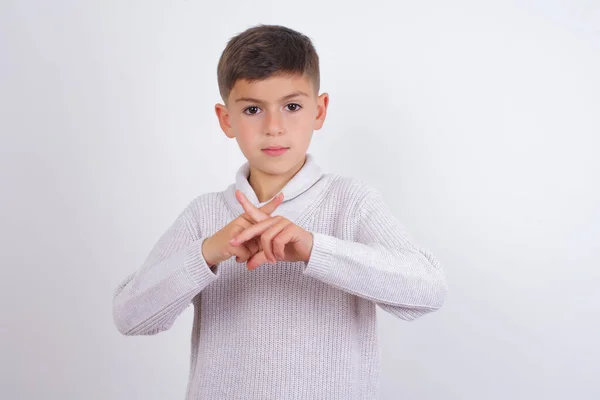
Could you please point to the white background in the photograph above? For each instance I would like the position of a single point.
(478, 121)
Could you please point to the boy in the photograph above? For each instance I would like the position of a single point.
(293, 315)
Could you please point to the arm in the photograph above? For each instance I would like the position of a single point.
(149, 300)
(383, 265)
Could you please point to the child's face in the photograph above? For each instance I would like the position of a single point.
(278, 111)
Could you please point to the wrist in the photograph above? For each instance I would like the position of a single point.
(205, 249)
(311, 244)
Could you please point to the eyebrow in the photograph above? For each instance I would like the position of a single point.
(286, 97)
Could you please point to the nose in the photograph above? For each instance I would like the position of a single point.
(274, 123)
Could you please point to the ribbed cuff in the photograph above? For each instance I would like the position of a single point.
(319, 263)
(196, 266)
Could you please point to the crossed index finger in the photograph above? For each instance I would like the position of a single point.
(258, 214)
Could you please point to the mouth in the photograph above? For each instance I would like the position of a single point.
(275, 148)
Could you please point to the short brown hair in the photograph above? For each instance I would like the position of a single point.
(263, 51)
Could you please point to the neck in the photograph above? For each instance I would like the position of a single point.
(266, 186)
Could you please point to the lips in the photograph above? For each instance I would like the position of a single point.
(275, 151)
(275, 148)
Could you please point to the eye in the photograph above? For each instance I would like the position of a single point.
(252, 110)
(295, 107)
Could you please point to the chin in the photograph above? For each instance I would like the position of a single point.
(276, 165)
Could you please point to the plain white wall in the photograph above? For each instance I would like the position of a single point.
(478, 122)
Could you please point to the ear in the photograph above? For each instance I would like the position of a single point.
(322, 103)
(223, 116)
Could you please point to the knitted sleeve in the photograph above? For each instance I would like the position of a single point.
(149, 300)
(384, 265)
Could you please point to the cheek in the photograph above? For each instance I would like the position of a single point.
(245, 129)
(302, 122)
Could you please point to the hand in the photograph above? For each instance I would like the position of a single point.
(281, 239)
(216, 248)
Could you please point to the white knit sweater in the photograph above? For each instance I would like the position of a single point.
(290, 330)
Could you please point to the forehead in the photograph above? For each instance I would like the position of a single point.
(271, 89)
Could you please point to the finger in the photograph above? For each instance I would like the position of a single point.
(242, 253)
(256, 260)
(256, 214)
(267, 238)
(254, 230)
(273, 204)
(267, 209)
(250, 210)
(281, 240)
(253, 248)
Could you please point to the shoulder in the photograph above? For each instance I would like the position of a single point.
(205, 199)
(350, 192)
(351, 187)
(197, 208)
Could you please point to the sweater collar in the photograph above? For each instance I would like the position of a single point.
(305, 178)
